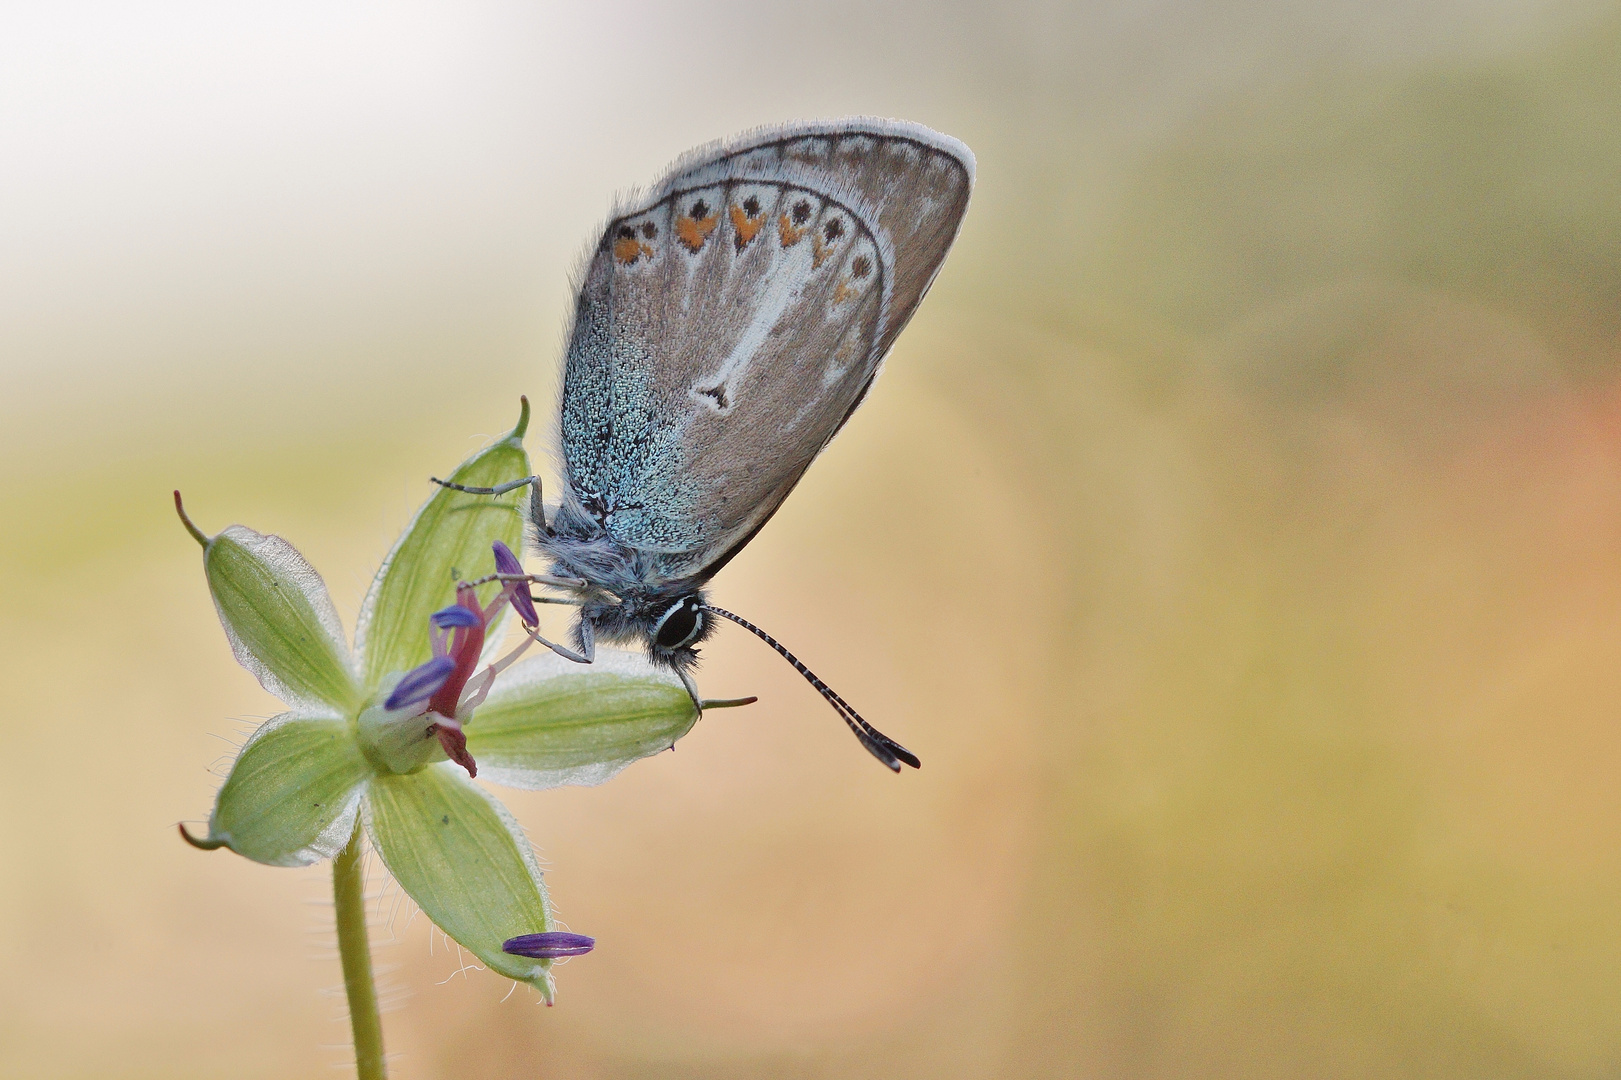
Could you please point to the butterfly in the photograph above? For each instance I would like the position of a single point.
(726, 324)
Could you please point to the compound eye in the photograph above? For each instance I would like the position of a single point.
(677, 626)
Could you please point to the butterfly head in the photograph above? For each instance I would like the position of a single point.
(679, 627)
(670, 627)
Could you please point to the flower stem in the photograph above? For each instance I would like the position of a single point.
(349, 898)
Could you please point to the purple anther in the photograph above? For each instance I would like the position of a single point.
(507, 563)
(453, 616)
(421, 683)
(550, 945)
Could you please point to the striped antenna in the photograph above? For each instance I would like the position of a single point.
(881, 746)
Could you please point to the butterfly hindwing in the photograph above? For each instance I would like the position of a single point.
(729, 322)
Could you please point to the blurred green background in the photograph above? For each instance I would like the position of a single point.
(1234, 534)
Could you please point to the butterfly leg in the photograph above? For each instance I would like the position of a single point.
(538, 579)
(588, 644)
(563, 650)
(588, 640)
(692, 691)
(537, 511)
(499, 489)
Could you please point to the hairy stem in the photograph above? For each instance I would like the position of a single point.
(349, 898)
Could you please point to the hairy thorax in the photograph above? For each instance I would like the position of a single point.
(579, 547)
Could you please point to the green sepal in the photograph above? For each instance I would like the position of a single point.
(550, 722)
(448, 540)
(457, 852)
(279, 619)
(291, 796)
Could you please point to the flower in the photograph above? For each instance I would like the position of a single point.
(392, 732)
(438, 689)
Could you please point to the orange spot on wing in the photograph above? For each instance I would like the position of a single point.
(745, 226)
(693, 232)
(627, 249)
(787, 233)
(842, 292)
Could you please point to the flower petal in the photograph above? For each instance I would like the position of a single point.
(280, 620)
(448, 539)
(290, 799)
(465, 861)
(549, 722)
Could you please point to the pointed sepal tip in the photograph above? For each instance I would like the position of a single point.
(196, 533)
(523, 418)
(726, 703)
(204, 844)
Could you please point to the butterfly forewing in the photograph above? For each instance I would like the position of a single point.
(729, 322)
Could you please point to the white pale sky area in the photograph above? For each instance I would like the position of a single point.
(298, 194)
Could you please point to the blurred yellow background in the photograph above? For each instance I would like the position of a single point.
(1234, 534)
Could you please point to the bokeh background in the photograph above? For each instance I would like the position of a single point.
(1235, 533)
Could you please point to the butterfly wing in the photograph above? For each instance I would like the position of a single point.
(729, 322)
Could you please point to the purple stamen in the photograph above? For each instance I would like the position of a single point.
(550, 945)
(507, 563)
(420, 683)
(454, 616)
